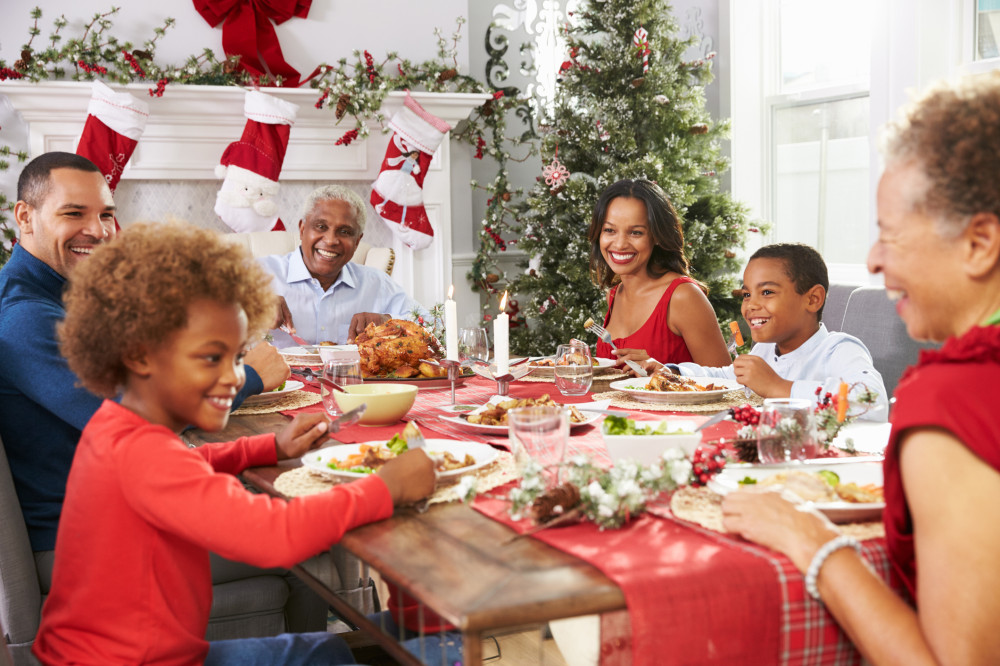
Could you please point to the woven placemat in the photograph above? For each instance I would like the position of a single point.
(730, 399)
(703, 507)
(305, 481)
(293, 400)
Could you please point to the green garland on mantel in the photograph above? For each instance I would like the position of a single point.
(352, 88)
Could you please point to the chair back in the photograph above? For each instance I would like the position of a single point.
(836, 304)
(20, 594)
(872, 317)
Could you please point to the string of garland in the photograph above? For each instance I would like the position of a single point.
(353, 89)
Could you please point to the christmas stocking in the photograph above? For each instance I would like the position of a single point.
(250, 167)
(398, 191)
(115, 122)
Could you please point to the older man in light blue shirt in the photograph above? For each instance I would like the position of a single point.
(324, 296)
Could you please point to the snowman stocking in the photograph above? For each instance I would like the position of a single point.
(398, 191)
(115, 121)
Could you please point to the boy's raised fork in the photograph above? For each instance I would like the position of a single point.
(605, 337)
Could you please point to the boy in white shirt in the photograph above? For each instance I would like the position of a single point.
(784, 290)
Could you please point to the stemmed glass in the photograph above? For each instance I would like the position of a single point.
(473, 345)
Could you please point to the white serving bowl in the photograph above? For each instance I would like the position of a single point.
(387, 403)
(647, 449)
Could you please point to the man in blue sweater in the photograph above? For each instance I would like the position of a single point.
(64, 211)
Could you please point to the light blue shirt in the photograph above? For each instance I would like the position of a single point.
(326, 315)
(823, 361)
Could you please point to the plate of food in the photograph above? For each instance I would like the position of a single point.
(674, 389)
(542, 366)
(354, 461)
(302, 357)
(270, 397)
(845, 491)
(491, 418)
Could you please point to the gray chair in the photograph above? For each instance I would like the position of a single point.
(241, 608)
(871, 317)
(836, 303)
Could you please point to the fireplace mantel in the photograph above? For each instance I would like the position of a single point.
(190, 126)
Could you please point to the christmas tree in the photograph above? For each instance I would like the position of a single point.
(628, 106)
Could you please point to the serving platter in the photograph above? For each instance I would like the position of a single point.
(302, 357)
(603, 365)
(861, 473)
(482, 453)
(270, 397)
(634, 388)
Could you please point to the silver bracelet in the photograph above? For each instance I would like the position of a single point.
(819, 559)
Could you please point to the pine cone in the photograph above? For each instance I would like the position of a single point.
(144, 55)
(447, 75)
(487, 109)
(730, 254)
(20, 65)
(26, 55)
(228, 67)
(699, 128)
(554, 502)
(492, 277)
(638, 82)
(746, 450)
(505, 196)
(342, 103)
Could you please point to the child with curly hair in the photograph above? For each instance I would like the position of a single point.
(162, 316)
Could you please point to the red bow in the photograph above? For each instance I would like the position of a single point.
(248, 31)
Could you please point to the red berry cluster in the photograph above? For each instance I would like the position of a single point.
(91, 69)
(745, 414)
(319, 102)
(8, 73)
(399, 68)
(349, 136)
(370, 67)
(498, 94)
(707, 461)
(161, 85)
(480, 144)
(828, 401)
(136, 67)
(496, 238)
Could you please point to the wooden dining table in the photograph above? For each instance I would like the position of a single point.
(464, 564)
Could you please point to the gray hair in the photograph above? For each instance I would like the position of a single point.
(337, 193)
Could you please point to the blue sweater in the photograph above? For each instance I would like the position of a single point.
(42, 407)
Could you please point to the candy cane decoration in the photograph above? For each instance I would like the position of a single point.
(641, 41)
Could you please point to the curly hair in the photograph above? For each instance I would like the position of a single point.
(804, 266)
(952, 134)
(664, 228)
(135, 291)
(337, 193)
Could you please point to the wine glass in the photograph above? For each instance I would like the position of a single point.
(473, 345)
(343, 371)
(574, 369)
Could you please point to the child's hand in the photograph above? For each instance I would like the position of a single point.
(409, 476)
(304, 433)
(754, 373)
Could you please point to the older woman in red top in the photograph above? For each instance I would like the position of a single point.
(655, 308)
(939, 250)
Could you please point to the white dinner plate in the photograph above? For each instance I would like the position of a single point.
(866, 436)
(302, 356)
(483, 453)
(634, 388)
(503, 430)
(269, 397)
(603, 364)
(861, 473)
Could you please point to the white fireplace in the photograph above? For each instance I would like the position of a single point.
(171, 173)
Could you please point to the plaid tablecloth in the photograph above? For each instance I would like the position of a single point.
(693, 595)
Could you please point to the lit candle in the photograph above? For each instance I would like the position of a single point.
(501, 342)
(451, 326)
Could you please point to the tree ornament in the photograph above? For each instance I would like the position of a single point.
(602, 133)
(638, 81)
(555, 502)
(555, 173)
(447, 75)
(699, 128)
(641, 41)
(662, 100)
(342, 103)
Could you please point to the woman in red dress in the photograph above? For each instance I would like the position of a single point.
(939, 251)
(655, 309)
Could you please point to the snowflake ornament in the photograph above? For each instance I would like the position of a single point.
(555, 174)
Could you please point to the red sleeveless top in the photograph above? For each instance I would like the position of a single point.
(654, 336)
(947, 388)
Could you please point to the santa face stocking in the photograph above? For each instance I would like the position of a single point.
(115, 121)
(398, 191)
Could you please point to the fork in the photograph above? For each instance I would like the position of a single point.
(415, 440)
(605, 337)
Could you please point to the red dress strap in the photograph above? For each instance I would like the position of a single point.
(654, 335)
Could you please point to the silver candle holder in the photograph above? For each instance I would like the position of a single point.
(516, 370)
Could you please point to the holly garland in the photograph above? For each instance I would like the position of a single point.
(353, 89)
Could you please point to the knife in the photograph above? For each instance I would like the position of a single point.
(721, 416)
(348, 418)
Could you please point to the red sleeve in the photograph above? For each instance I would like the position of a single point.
(234, 457)
(176, 490)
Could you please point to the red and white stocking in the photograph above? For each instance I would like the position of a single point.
(115, 121)
(398, 191)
